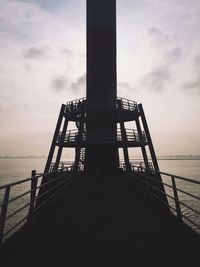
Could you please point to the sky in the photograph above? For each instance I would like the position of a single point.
(43, 64)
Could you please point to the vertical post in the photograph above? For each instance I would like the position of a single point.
(144, 153)
(178, 209)
(124, 137)
(79, 140)
(34, 182)
(55, 137)
(4, 212)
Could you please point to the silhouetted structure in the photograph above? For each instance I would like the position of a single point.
(100, 118)
(107, 217)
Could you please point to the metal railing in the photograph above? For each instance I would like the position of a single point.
(62, 166)
(136, 164)
(18, 208)
(131, 134)
(182, 202)
(125, 104)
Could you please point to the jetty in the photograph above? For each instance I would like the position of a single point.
(101, 210)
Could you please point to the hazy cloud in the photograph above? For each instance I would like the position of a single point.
(59, 83)
(157, 79)
(166, 52)
(36, 52)
(158, 49)
(124, 88)
(174, 55)
(124, 85)
(157, 35)
(79, 85)
(193, 86)
(67, 52)
(197, 61)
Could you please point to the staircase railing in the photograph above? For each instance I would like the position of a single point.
(17, 209)
(182, 202)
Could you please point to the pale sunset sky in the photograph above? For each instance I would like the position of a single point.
(43, 64)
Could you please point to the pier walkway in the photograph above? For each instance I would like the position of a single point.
(103, 221)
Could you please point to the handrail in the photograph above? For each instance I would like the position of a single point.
(129, 104)
(58, 181)
(132, 136)
(147, 178)
(28, 179)
(76, 100)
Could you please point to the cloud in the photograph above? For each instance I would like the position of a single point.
(163, 41)
(165, 53)
(79, 85)
(125, 88)
(67, 52)
(197, 61)
(174, 55)
(124, 85)
(193, 86)
(157, 35)
(59, 84)
(157, 79)
(36, 52)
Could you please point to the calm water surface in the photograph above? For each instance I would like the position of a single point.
(15, 169)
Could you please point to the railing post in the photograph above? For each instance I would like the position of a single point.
(4, 212)
(34, 182)
(178, 209)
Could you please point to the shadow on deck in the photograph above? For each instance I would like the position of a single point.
(103, 221)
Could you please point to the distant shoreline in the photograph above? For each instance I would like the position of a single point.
(23, 157)
(135, 159)
(179, 159)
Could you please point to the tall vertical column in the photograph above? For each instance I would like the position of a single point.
(101, 151)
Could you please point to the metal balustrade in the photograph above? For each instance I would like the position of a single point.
(185, 205)
(28, 196)
(125, 104)
(62, 166)
(131, 134)
(136, 164)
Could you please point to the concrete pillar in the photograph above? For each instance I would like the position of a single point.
(101, 151)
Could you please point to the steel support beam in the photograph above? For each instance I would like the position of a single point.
(153, 154)
(61, 143)
(144, 153)
(150, 143)
(55, 137)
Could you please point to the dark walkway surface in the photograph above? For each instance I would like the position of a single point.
(104, 222)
